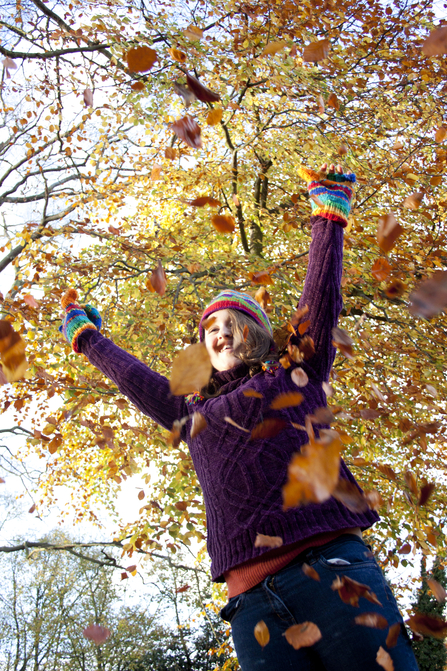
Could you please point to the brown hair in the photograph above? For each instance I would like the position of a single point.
(252, 344)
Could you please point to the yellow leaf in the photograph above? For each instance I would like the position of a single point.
(272, 48)
(177, 55)
(191, 370)
(262, 634)
(193, 33)
(214, 116)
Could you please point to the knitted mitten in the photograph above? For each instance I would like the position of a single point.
(77, 319)
(330, 195)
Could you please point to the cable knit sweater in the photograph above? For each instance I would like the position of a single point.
(242, 479)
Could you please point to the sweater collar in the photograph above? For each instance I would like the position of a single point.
(235, 373)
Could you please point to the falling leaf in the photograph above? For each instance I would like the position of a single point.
(437, 589)
(381, 269)
(350, 495)
(193, 33)
(158, 280)
(316, 51)
(156, 172)
(395, 288)
(343, 342)
(132, 569)
(374, 499)
(141, 495)
(343, 149)
(310, 572)
(2, 481)
(268, 541)
(237, 426)
(223, 223)
(31, 301)
(181, 505)
(269, 428)
(183, 588)
(263, 297)
(214, 116)
(430, 297)
(388, 232)
(32, 509)
(198, 424)
(201, 92)
(141, 59)
(204, 200)
(426, 492)
(387, 471)
(287, 400)
(373, 620)
(96, 633)
(177, 55)
(307, 347)
(252, 393)
(333, 102)
(350, 591)
(383, 659)
(428, 625)
(431, 390)
(413, 201)
(170, 153)
(328, 389)
(441, 134)
(261, 277)
(9, 64)
(405, 549)
(124, 576)
(185, 93)
(302, 635)
(12, 353)
(322, 110)
(189, 131)
(272, 48)
(299, 377)
(191, 370)
(262, 634)
(393, 635)
(88, 97)
(313, 474)
(436, 42)
(302, 328)
(323, 415)
(411, 483)
(138, 86)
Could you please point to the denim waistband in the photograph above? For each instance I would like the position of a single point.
(314, 551)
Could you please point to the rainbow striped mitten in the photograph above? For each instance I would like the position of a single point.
(330, 195)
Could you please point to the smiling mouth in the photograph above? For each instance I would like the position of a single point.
(226, 348)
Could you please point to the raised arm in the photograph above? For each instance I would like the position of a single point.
(330, 197)
(148, 390)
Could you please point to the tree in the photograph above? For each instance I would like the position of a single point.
(297, 82)
(430, 652)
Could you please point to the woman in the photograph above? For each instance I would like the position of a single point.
(242, 473)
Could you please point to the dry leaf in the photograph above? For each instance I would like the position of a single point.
(263, 297)
(316, 51)
(198, 424)
(88, 97)
(252, 393)
(388, 232)
(185, 93)
(436, 42)
(287, 400)
(393, 635)
(343, 342)
(395, 288)
(156, 172)
(170, 153)
(233, 423)
(441, 134)
(204, 200)
(272, 48)
(158, 279)
(261, 277)
(426, 492)
(343, 149)
(183, 588)
(381, 269)
(322, 110)
(427, 625)
(383, 659)
(181, 505)
(262, 634)
(189, 131)
(12, 353)
(411, 483)
(299, 377)
(373, 620)
(201, 92)
(350, 591)
(413, 201)
(437, 589)
(350, 495)
(214, 116)
(193, 33)
(9, 64)
(191, 370)
(223, 223)
(302, 635)
(430, 297)
(177, 55)
(268, 541)
(323, 415)
(141, 495)
(96, 633)
(436, 180)
(405, 549)
(302, 328)
(138, 86)
(307, 347)
(32, 509)
(141, 59)
(328, 389)
(269, 428)
(31, 301)
(310, 572)
(313, 474)
(332, 101)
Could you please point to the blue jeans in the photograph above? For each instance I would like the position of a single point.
(290, 597)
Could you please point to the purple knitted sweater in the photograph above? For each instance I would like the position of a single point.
(242, 479)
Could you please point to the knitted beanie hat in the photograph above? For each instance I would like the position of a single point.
(235, 300)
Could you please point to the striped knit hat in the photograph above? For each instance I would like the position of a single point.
(235, 300)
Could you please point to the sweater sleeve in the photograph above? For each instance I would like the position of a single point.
(148, 390)
(321, 291)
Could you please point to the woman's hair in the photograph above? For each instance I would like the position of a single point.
(252, 344)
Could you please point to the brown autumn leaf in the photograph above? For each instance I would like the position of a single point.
(261, 277)
(198, 424)
(313, 474)
(2, 481)
(393, 635)
(189, 131)
(436, 42)
(310, 572)
(430, 297)
(302, 328)
(177, 55)
(141, 495)
(388, 232)
(383, 659)
(97, 633)
(437, 589)
(373, 499)
(323, 415)
(214, 116)
(441, 134)
(307, 347)
(262, 634)
(124, 576)
(263, 297)
(342, 340)
(411, 483)
(322, 110)
(269, 428)
(88, 97)
(405, 549)
(141, 59)
(263, 541)
(191, 370)
(387, 471)
(181, 505)
(272, 48)
(158, 279)
(185, 93)
(350, 495)
(193, 32)
(373, 620)
(316, 51)
(302, 635)
(427, 625)
(223, 223)
(436, 180)
(138, 86)
(170, 153)
(413, 201)
(30, 301)
(252, 393)
(32, 509)
(201, 201)
(201, 92)
(299, 377)
(426, 492)
(237, 426)
(183, 588)
(132, 569)
(156, 172)
(12, 353)
(350, 591)
(333, 102)
(381, 269)
(370, 413)
(343, 149)
(287, 400)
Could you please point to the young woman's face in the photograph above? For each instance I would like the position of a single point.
(219, 341)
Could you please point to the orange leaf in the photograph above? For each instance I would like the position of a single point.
(198, 424)
(350, 591)
(141, 495)
(321, 109)
(272, 48)
(310, 572)
(393, 635)
(269, 428)
(204, 200)
(343, 149)
(96, 633)
(441, 134)
(373, 620)
(191, 370)
(388, 232)
(177, 55)
(138, 86)
(181, 505)
(395, 288)
(158, 279)
(224, 223)
(383, 659)
(413, 201)
(261, 277)
(302, 328)
(381, 269)
(252, 393)
(316, 51)
(214, 116)
(156, 172)
(437, 589)
(31, 301)
(263, 297)
(141, 59)
(302, 635)
(12, 351)
(428, 625)
(262, 634)
(268, 541)
(193, 33)
(332, 101)
(182, 589)
(170, 153)
(287, 400)
(436, 42)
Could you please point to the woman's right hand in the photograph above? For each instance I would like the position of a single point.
(77, 318)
